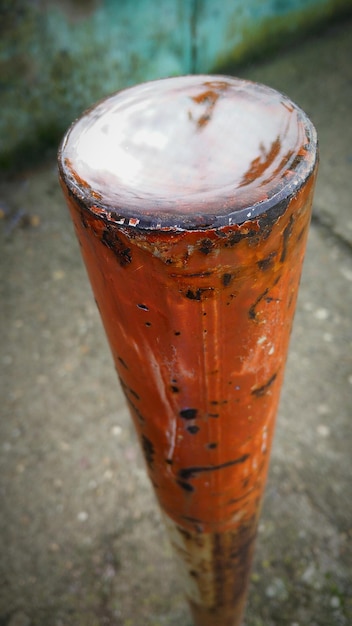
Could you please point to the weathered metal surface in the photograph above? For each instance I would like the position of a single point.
(191, 200)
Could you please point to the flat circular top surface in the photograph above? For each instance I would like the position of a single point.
(211, 150)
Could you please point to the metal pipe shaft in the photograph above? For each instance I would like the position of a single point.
(191, 200)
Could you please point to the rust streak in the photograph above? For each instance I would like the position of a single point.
(261, 391)
(192, 472)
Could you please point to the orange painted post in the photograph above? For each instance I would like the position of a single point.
(191, 200)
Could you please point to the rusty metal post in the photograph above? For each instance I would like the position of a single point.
(191, 200)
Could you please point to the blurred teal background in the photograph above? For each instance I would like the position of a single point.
(57, 57)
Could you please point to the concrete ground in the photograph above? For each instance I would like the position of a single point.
(82, 543)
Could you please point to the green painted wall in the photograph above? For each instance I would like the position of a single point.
(59, 56)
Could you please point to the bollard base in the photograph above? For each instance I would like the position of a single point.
(215, 569)
(221, 617)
